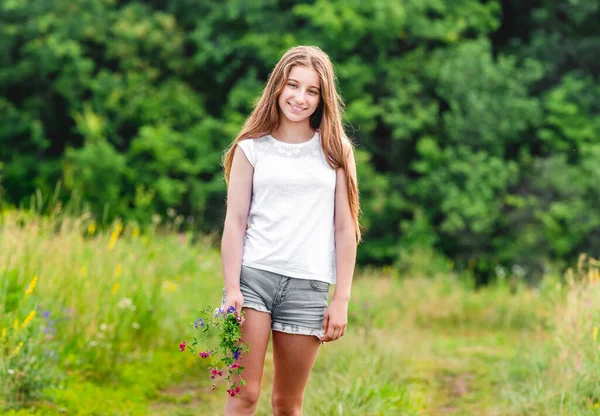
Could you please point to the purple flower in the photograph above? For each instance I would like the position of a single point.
(237, 354)
(49, 329)
(231, 309)
(218, 312)
(199, 322)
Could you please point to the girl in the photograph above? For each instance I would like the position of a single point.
(291, 227)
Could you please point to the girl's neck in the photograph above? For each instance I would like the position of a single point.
(293, 132)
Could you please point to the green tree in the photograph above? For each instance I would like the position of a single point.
(476, 123)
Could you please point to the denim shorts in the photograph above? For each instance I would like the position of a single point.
(297, 306)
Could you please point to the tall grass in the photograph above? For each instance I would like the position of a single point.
(91, 320)
(562, 376)
(99, 299)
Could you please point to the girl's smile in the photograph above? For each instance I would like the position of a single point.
(296, 109)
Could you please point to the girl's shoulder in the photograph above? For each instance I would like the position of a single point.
(253, 147)
(251, 142)
(347, 145)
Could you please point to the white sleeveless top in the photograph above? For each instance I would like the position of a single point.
(290, 222)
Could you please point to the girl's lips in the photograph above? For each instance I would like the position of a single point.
(296, 109)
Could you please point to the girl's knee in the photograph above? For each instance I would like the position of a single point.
(243, 403)
(249, 395)
(284, 405)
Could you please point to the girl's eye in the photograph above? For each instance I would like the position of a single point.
(313, 92)
(291, 84)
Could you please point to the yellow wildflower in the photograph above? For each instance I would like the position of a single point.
(595, 333)
(91, 228)
(84, 271)
(28, 319)
(119, 270)
(4, 333)
(16, 324)
(114, 288)
(136, 232)
(115, 235)
(18, 348)
(113, 241)
(170, 286)
(31, 286)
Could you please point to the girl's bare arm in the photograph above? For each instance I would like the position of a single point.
(345, 233)
(336, 316)
(239, 194)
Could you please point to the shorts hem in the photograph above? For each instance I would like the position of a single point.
(297, 330)
(256, 307)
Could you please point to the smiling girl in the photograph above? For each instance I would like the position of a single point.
(291, 227)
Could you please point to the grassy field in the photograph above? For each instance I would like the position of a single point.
(90, 324)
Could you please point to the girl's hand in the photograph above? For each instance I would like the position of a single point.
(236, 299)
(335, 320)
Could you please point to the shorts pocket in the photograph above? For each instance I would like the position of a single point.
(319, 286)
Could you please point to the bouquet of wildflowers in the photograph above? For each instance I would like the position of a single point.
(222, 359)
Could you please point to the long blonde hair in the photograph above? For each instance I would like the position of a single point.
(327, 117)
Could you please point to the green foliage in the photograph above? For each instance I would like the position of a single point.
(87, 166)
(465, 114)
(572, 116)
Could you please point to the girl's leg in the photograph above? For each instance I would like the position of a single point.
(293, 356)
(256, 330)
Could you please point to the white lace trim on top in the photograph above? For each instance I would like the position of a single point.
(270, 145)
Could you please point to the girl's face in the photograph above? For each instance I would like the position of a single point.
(300, 96)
